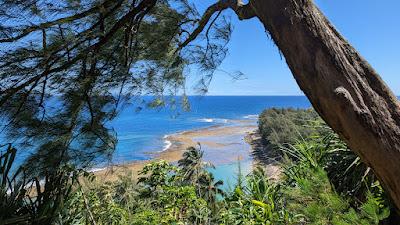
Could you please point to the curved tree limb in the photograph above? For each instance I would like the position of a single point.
(243, 12)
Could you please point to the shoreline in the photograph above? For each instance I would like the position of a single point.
(177, 144)
(219, 142)
(263, 157)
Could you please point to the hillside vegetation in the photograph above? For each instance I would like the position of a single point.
(323, 183)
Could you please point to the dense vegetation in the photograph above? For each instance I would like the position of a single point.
(313, 189)
(167, 196)
(188, 194)
(279, 127)
(282, 129)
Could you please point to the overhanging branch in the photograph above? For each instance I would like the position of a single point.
(243, 11)
(25, 32)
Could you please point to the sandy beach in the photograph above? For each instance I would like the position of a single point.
(225, 144)
(221, 143)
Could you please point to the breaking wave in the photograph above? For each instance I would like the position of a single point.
(252, 116)
(213, 120)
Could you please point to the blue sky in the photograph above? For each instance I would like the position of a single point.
(371, 26)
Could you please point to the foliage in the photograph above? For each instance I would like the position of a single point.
(316, 202)
(159, 196)
(279, 127)
(305, 195)
(302, 136)
(346, 171)
(316, 188)
(36, 200)
(69, 67)
(164, 194)
(192, 164)
(258, 202)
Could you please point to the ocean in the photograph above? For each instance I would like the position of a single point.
(144, 132)
(141, 132)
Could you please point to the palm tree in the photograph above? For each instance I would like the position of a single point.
(192, 164)
(209, 188)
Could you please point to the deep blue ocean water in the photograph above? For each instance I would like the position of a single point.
(142, 132)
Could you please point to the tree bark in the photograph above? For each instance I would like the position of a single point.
(343, 88)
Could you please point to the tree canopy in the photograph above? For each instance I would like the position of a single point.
(68, 67)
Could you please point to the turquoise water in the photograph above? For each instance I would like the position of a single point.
(227, 150)
(142, 132)
(229, 173)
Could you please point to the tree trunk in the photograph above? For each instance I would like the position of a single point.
(343, 88)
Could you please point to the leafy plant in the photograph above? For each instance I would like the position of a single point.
(35, 200)
(187, 193)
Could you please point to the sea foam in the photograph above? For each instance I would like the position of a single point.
(167, 143)
(213, 120)
(93, 170)
(252, 116)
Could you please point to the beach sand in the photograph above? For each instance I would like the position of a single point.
(223, 144)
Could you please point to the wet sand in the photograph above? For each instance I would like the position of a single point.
(222, 145)
(210, 139)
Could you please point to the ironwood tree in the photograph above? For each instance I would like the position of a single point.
(68, 67)
(92, 48)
